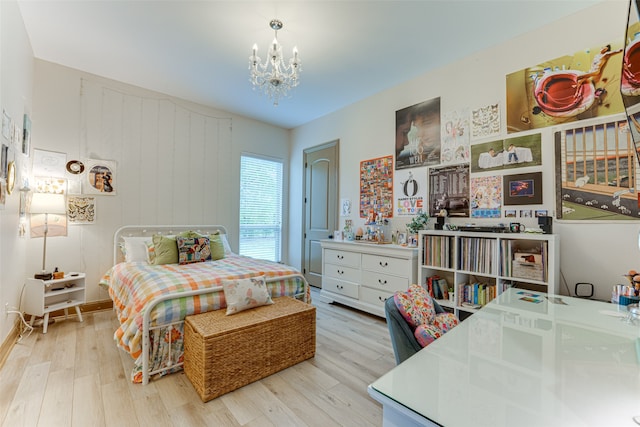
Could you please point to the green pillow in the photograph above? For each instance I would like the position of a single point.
(217, 247)
(166, 247)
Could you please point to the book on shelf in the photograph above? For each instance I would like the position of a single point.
(437, 287)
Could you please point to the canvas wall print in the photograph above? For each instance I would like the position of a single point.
(596, 176)
(49, 185)
(485, 121)
(48, 163)
(486, 196)
(410, 191)
(566, 89)
(81, 209)
(517, 152)
(376, 188)
(100, 177)
(523, 189)
(418, 135)
(455, 137)
(449, 190)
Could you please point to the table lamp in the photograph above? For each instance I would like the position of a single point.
(47, 203)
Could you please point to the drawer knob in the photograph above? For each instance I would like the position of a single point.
(340, 272)
(383, 264)
(382, 282)
(382, 299)
(340, 256)
(339, 286)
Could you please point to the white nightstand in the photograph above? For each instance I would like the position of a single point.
(44, 296)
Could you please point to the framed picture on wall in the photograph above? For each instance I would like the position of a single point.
(100, 177)
(523, 189)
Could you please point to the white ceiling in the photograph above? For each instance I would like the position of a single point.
(199, 50)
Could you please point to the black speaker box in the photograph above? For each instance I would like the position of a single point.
(545, 223)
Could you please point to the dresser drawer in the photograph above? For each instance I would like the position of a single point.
(374, 296)
(341, 287)
(384, 282)
(350, 259)
(381, 264)
(343, 273)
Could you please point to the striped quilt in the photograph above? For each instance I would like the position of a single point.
(132, 285)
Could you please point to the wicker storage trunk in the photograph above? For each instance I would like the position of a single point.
(223, 353)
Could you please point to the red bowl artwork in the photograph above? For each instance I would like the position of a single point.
(630, 81)
(561, 94)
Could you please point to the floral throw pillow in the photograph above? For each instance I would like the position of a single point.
(415, 305)
(193, 249)
(243, 294)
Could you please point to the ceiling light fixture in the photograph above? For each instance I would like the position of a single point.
(275, 78)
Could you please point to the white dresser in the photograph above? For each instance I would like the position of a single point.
(364, 275)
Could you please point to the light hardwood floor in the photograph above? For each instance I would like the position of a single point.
(76, 376)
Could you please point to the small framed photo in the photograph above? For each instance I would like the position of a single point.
(402, 239)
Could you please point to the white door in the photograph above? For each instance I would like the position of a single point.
(321, 206)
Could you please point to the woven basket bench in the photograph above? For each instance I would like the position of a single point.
(223, 353)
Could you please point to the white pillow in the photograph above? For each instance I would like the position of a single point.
(243, 294)
(135, 248)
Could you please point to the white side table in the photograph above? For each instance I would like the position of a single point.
(44, 296)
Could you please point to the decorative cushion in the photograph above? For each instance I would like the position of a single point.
(193, 249)
(224, 240)
(151, 252)
(217, 247)
(134, 248)
(445, 321)
(426, 334)
(166, 249)
(243, 294)
(415, 305)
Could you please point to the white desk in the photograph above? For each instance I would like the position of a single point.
(521, 363)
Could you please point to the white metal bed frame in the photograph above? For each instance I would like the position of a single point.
(150, 230)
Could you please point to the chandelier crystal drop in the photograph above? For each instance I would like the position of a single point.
(275, 77)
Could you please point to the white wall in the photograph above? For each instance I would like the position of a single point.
(16, 64)
(590, 252)
(177, 162)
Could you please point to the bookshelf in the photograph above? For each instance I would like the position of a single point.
(480, 266)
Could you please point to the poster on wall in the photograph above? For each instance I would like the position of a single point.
(485, 121)
(81, 210)
(486, 196)
(376, 188)
(410, 191)
(418, 135)
(100, 177)
(566, 89)
(455, 137)
(48, 163)
(596, 176)
(449, 190)
(523, 189)
(521, 151)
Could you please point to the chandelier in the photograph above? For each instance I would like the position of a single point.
(275, 78)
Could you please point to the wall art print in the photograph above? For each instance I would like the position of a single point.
(485, 121)
(523, 189)
(521, 151)
(566, 89)
(376, 187)
(410, 191)
(486, 196)
(48, 163)
(100, 177)
(455, 137)
(81, 209)
(50, 185)
(449, 190)
(418, 135)
(596, 175)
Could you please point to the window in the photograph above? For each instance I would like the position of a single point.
(260, 207)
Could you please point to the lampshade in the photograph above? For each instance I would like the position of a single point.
(47, 203)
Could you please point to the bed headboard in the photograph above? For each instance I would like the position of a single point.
(150, 230)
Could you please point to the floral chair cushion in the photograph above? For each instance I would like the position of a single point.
(417, 308)
(415, 305)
